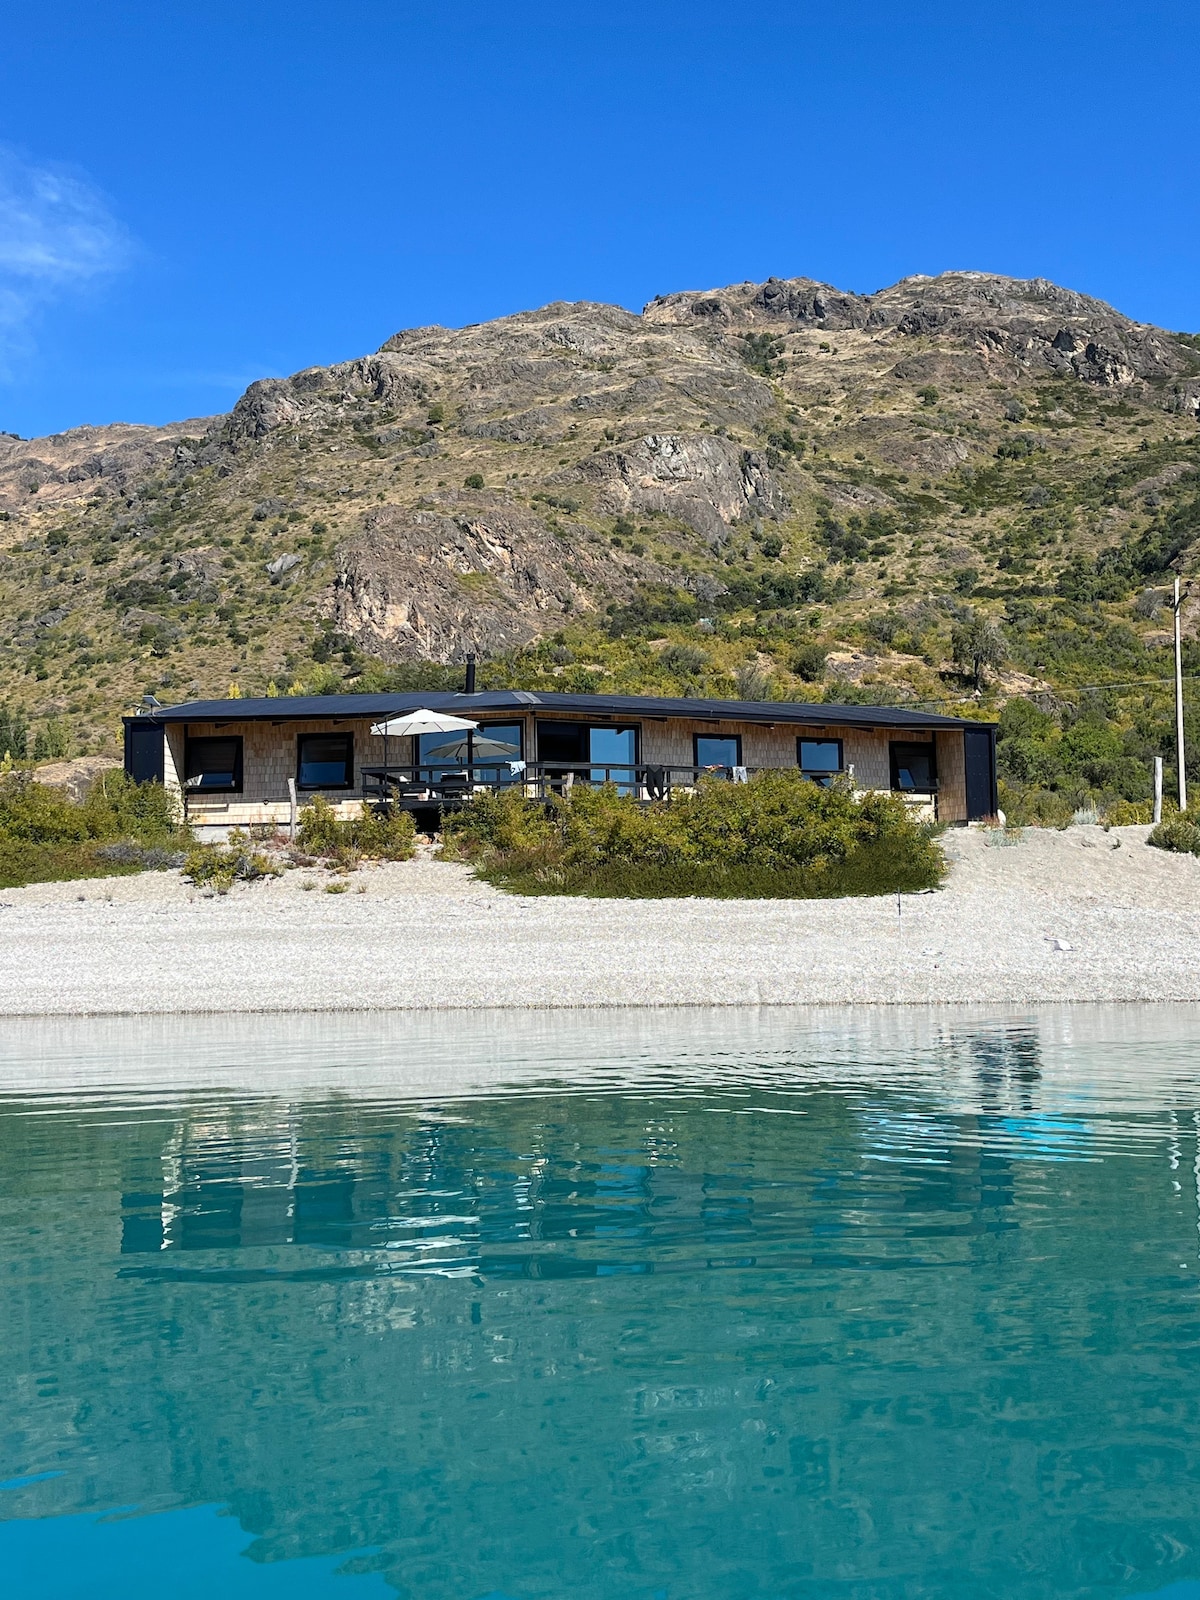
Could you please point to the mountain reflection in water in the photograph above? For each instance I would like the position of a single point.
(803, 1307)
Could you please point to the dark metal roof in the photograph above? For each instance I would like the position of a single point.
(325, 707)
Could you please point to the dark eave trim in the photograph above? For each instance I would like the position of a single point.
(374, 707)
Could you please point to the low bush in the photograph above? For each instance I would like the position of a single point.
(212, 866)
(382, 835)
(1128, 814)
(1179, 832)
(776, 837)
(141, 857)
(46, 837)
(1059, 808)
(23, 863)
(1039, 808)
(118, 808)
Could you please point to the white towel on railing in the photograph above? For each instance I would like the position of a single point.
(740, 775)
(516, 766)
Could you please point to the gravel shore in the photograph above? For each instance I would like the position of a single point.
(1081, 915)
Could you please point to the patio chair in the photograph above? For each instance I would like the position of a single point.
(453, 787)
(409, 789)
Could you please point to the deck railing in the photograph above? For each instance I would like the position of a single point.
(442, 786)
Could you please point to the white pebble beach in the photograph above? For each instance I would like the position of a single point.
(1079, 915)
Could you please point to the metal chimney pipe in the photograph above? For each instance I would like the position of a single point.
(469, 687)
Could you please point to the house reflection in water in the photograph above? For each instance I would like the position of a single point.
(735, 1333)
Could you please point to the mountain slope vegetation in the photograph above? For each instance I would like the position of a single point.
(965, 490)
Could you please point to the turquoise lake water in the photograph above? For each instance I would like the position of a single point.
(684, 1307)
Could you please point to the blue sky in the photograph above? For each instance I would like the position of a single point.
(195, 196)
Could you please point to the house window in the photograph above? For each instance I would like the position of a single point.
(495, 747)
(592, 754)
(717, 753)
(325, 761)
(819, 759)
(617, 749)
(213, 766)
(914, 768)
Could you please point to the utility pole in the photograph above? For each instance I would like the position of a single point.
(1177, 607)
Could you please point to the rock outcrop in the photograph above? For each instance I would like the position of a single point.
(483, 487)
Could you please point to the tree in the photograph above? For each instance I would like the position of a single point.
(753, 682)
(52, 742)
(978, 644)
(14, 734)
(809, 662)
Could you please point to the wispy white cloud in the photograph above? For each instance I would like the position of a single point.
(57, 236)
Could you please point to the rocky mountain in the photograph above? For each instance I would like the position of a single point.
(781, 479)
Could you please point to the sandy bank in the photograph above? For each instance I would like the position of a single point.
(1077, 916)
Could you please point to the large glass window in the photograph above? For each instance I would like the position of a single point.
(495, 748)
(718, 753)
(325, 761)
(819, 759)
(213, 766)
(616, 750)
(491, 749)
(914, 768)
(439, 753)
(565, 742)
(589, 752)
(563, 747)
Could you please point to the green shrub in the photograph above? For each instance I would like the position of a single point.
(1128, 814)
(212, 867)
(37, 814)
(115, 808)
(14, 734)
(1180, 832)
(46, 837)
(118, 808)
(763, 352)
(51, 742)
(685, 660)
(1038, 808)
(23, 862)
(386, 835)
(774, 837)
(809, 662)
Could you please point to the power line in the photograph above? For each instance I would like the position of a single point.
(1136, 683)
(1082, 688)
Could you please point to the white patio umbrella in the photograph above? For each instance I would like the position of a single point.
(412, 723)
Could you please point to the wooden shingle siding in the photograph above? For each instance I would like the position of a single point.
(268, 761)
(269, 758)
(952, 778)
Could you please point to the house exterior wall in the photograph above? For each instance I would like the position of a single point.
(865, 751)
(173, 759)
(269, 760)
(952, 776)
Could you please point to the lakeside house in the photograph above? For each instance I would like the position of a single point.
(234, 762)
